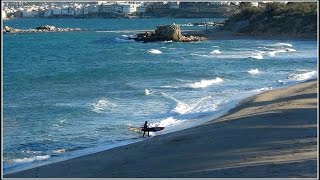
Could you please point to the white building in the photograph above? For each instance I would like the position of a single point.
(127, 8)
(71, 10)
(29, 13)
(47, 12)
(173, 5)
(255, 4)
(237, 3)
(93, 9)
(65, 11)
(56, 11)
(3, 14)
(107, 8)
(85, 10)
(141, 9)
(78, 11)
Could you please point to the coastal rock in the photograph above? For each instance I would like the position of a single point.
(45, 28)
(166, 33)
(8, 29)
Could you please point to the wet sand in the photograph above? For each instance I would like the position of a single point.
(272, 134)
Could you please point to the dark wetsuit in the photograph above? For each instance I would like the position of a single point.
(145, 127)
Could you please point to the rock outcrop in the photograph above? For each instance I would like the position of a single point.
(166, 33)
(45, 28)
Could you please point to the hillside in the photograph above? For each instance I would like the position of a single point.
(298, 19)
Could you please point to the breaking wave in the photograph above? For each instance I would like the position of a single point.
(124, 39)
(154, 51)
(102, 105)
(302, 76)
(253, 71)
(30, 159)
(215, 52)
(166, 122)
(283, 45)
(205, 83)
(257, 56)
(147, 92)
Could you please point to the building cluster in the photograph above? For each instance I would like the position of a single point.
(49, 9)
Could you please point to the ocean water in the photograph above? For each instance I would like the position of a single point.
(75, 93)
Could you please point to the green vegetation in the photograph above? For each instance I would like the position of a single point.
(274, 19)
(194, 10)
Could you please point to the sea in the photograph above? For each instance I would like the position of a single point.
(68, 94)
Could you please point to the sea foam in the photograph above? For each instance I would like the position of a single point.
(257, 56)
(170, 121)
(30, 159)
(205, 83)
(147, 92)
(283, 44)
(101, 105)
(154, 51)
(253, 71)
(123, 40)
(301, 76)
(216, 51)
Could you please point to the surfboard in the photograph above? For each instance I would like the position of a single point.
(151, 129)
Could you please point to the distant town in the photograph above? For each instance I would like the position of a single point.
(114, 9)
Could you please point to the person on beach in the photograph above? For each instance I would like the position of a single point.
(145, 127)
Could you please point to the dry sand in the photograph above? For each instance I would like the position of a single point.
(273, 134)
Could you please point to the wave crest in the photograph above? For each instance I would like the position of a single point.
(154, 51)
(253, 71)
(216, 51)
(257, 56)
(302, 76)
(205, 83)
(30, 159)
(102, 105)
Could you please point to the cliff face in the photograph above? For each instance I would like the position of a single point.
(276, 19)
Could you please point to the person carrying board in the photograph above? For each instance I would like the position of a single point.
(145, 128)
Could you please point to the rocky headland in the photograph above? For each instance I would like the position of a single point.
(166, 33)
(297, 20)
(45, 28)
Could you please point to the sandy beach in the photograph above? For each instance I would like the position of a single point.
(269, 135)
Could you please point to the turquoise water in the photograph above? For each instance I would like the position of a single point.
(74, 93)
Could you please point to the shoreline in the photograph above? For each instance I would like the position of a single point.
(164, 145)
(228, 35)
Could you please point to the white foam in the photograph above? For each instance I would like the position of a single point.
(272, 53)
(30, 159)
(205, 83)
(147, 92)
(192, 109)
(32, 152)
(182, 108)
(168, 41)
(123, 40)
(290, 50)
(283, 44)
(59, 151)
(216, 51)
(257, 56)
(101, 105)
(301, 76)
(262, 89)
(253, 71)
(154, 51)
(166, 122)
